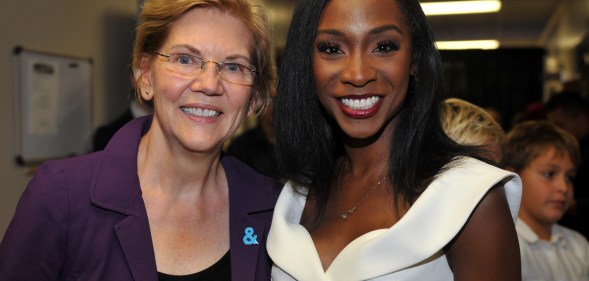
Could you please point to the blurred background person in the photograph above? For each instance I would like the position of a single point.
(570, 111)
(494, 112)
(104, 133)
(469, 124)
(546, 158)
(255, 146)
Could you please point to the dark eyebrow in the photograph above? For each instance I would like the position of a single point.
(385, 28)
(330, 31)
(373, 31)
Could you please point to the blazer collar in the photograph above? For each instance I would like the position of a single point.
(116, 187)
(251, 199)
(120, 155)
(248, 190)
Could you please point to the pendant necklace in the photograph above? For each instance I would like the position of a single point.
(344, 214)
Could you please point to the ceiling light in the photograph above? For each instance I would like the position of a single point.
(460, 7)
(472, 44)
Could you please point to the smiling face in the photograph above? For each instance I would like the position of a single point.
(199, 112)
(547, 188)
(362, 63)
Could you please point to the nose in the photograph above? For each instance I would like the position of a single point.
(358, 70)
(203, 64)
(563, 185)
(207, 81)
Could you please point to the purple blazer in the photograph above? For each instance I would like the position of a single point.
(83, 218)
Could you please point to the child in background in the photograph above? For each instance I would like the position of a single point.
(546, 158)
(468, 124)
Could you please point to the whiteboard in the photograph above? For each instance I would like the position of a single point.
(53, 104)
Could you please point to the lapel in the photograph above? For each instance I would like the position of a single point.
(120, 192)
(245, 257)
(135, 240)
(251, 202)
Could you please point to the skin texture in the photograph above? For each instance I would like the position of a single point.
(366, 55)
(207, 91)
(547, 190)
(360, 52)
(363, 50)
(189, 213)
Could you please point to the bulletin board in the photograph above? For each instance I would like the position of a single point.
(53, 106)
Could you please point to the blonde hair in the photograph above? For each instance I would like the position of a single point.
(158, 16)
(468, 124)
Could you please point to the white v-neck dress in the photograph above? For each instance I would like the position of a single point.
(412, 249)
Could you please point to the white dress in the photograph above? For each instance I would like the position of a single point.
(412, 249)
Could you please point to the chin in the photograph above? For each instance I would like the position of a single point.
(362, 131)
(554, 218)
(360, 135)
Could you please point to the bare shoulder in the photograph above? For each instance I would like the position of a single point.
(487, 248)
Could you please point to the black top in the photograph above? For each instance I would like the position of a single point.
(220, 271)
(253, 149)
(104, 133)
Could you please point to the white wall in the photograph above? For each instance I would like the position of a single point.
(84, 28)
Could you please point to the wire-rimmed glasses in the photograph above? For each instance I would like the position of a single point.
(229, 71)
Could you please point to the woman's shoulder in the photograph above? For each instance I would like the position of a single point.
(73, 168)
(471, 178)
(472, 173)
(456, 192)
(469, 164)
(57, 181)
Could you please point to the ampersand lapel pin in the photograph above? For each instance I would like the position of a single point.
(249, 238)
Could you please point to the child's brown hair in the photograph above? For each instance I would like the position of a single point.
(527, 140)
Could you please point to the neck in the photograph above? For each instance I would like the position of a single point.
(369, 157)
(160, 166)
(544, 231)
(368, 161)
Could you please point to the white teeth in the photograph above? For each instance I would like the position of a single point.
(361, 103)
(200, 112)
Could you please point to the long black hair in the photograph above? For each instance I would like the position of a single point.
(308, 141)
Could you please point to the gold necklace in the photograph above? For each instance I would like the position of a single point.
(344, 214)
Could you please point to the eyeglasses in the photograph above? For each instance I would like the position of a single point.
(231, 72)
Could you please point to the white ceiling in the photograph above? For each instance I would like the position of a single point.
(520, 23)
